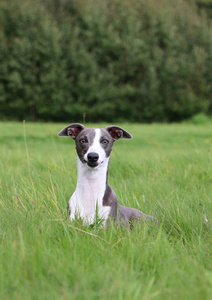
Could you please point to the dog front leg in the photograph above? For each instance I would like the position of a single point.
(71, 208)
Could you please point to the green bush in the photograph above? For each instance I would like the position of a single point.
(115, 60)
(32, 80)
(200, 118)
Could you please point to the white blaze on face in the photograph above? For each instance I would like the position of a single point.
(96, 147)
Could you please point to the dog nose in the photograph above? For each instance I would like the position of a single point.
(93, 156)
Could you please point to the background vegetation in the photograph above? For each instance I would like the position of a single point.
(167, 173)
(115, 60)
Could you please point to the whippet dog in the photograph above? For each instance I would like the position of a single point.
(93, 198)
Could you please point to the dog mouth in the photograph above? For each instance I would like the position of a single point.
(94, 164)
(89, 163)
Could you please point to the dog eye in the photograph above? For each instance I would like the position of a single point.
(105, 141)
(83, 141)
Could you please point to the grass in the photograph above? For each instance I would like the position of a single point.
(165, 171)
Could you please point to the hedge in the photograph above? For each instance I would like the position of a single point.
(117, 60)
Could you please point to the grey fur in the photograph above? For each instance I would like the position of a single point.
(88, 134)
(123, 215)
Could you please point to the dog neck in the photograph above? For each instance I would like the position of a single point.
(86, 174)
(92, 178)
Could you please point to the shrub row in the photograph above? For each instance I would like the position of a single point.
(115, 60)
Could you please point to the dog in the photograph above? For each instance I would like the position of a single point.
(93, 198)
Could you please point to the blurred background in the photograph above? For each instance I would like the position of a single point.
(109, 61)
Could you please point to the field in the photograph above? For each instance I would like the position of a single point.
(166, 171)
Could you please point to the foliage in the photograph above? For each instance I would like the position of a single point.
(165, 170)
(115, 60)
(200, 119)
(204, 6)
(32, 76)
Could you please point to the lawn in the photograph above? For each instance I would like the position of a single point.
(165, 170)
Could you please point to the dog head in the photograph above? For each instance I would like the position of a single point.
(94, 145)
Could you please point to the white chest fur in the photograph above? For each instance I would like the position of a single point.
(87, 200)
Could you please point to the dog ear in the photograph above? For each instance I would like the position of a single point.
(71, 130)
(118, 133)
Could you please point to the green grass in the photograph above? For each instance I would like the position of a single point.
(165, 171)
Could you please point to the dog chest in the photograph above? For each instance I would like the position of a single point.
(87, 202)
